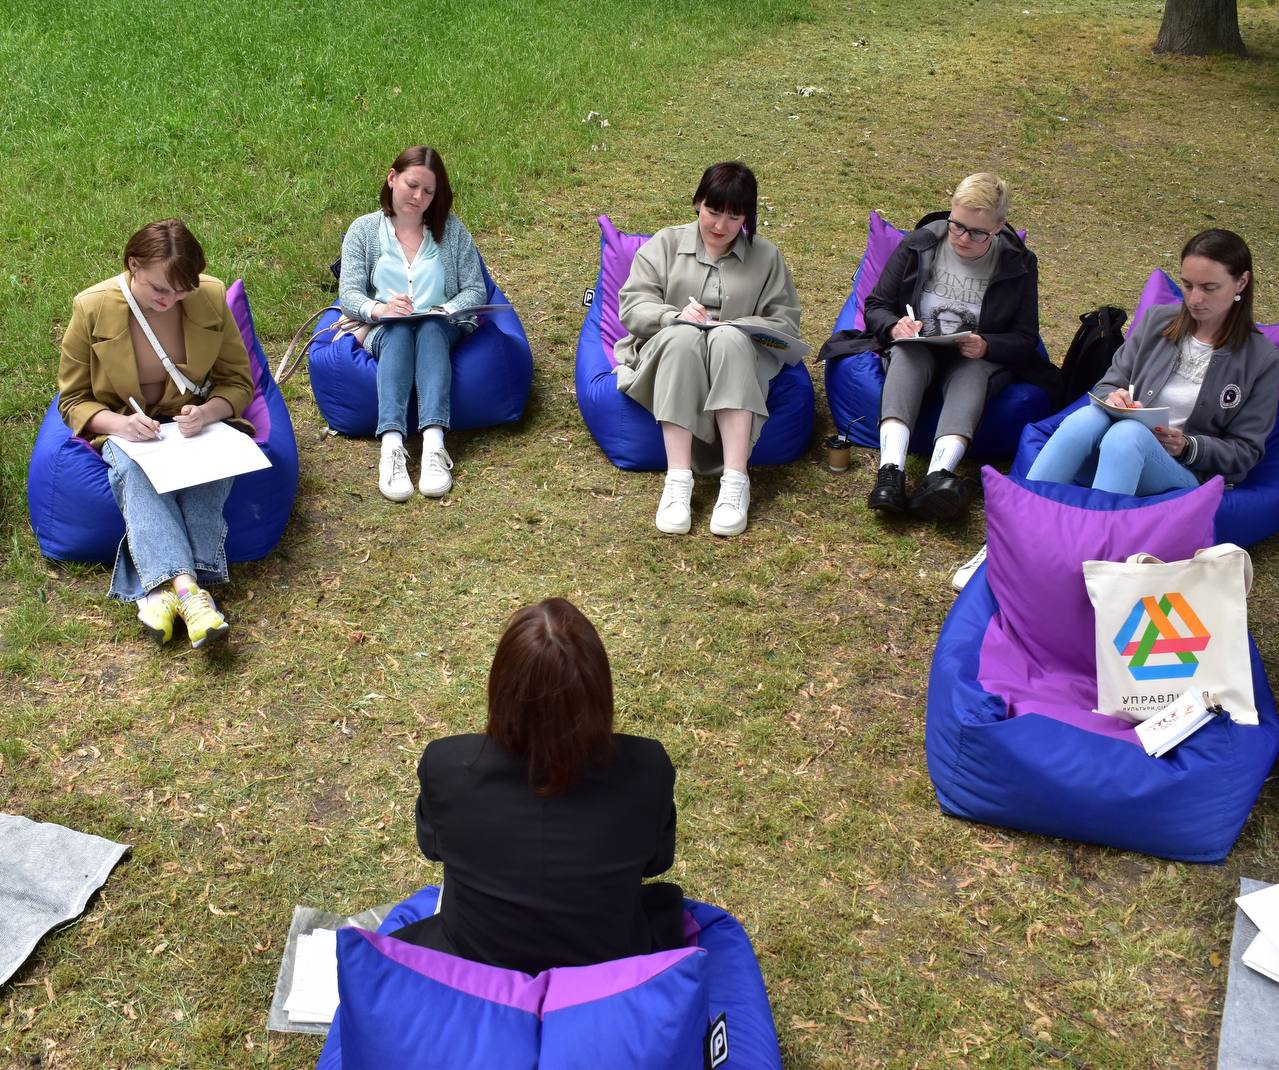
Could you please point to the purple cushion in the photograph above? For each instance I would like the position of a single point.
(616, 253)
(1038, 536)
(881, 239)
(1159, 290)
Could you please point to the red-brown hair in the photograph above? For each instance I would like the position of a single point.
(551, 695)
(169, 244)
(437, 212)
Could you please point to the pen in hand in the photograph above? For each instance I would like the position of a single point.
(910, 312)
(705, 315)
(155, 427)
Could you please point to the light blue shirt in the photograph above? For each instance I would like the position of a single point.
(423, 279)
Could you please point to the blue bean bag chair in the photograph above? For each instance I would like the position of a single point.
(854, 384)
(1010, 736)
(492, 374)
(624, 429)
(1249, 511)
(411, 1008)
(75, 517)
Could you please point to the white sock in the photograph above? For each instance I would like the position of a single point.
(894, 437)
(433, 438)
(680, 475)
(734, 472)
(391, 440)
(948, 451)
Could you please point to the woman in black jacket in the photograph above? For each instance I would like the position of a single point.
(964, 272)
(548, 822)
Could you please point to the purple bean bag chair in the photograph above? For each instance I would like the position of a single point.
(1011, 738)
(75, 517)
(492, 374)
(624, 429)
(854, 384)
(1249, 510)
(410, 1008)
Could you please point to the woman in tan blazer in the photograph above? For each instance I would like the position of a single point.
(703, 384)
(174, 354)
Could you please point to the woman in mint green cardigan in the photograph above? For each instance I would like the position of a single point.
(412, 256)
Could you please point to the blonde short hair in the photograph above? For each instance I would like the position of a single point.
(983, 192)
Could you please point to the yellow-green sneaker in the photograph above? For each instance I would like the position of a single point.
(158, 613)
(204, 623)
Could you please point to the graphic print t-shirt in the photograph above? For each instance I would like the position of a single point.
(954, 289)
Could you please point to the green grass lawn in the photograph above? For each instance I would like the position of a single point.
(785, 671)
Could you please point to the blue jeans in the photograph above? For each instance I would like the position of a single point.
(1121, 456)
(165, 535)
(413, 356)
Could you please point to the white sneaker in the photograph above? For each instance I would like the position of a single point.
(673, 515)
(965, 572)
(729, 517)
(437, 473)
(393, 476)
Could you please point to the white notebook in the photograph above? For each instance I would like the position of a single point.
(173, 461)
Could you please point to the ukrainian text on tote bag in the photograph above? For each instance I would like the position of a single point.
(1167, 627)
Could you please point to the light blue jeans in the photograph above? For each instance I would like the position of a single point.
(1121, 456)
(165, 535)
(413, 356)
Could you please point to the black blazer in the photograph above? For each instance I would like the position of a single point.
(533, 882)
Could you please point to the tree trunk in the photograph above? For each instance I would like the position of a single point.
(1198, 27)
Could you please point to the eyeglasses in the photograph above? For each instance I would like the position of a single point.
(981, 237)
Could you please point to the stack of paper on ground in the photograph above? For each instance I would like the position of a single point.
(1249, 1039)
(173, 461)
(47, 874)
(313, 996)
(1262, 908)
(306, 994)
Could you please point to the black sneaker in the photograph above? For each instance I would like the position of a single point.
(941, 495)
(889, 494)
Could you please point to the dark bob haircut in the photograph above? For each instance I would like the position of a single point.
(441, 204)
(730, 187)
(171, 246)
(551, 695)
(1232, 253)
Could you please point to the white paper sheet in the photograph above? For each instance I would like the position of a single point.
(172, 462)
(314, 995)
(1262, 909)
(1152, 418)
(1263, 956)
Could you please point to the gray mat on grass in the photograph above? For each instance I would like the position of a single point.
(47, 873)
(1249, 1039)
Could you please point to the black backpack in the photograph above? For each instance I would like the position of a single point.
(1088, 358)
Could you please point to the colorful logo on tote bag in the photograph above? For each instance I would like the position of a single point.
(1161, 637)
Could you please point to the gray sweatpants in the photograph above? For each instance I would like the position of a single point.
(965, 385)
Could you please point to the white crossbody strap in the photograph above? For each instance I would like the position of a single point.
(179, 380)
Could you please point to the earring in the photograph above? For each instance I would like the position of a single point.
(1238, 297)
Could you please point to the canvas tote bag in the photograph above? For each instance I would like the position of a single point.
(1166, 627)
